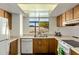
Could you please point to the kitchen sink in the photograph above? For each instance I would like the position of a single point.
(72, 43)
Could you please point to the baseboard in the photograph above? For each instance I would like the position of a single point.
(38, 54)
(26, 54)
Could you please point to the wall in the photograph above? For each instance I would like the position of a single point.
(21, 25)
(25, 25)
(69, 31)
(52, 25)
(15, 25)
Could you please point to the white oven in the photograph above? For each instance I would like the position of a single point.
(63, 48)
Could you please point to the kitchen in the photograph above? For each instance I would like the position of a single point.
(40, 29)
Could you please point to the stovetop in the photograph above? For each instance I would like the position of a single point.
(72, 43)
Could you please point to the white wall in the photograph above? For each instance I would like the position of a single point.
(25, 25)
(15, 25)
(21, 25)
(69, 31)
(52, 25)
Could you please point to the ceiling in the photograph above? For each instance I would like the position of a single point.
(55, 11)
(11, 7)
(37, 7)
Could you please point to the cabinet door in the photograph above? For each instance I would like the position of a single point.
(69, 14)
(9, 17)
(53, 46)
(40, 46)
(76, 12)
(43, 46)
(36, 43)
(59, 21)
(26, 46)
(63, 16)
(1, 13)
(14, 47)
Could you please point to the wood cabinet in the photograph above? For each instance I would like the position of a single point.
(45, 46)
(14, 47)
(76, 12)
(63, 16)
(53, 43)
(72, 52)
(59, 21)
(70, 14)
(9, 17)
(40, 46)
(1, 13)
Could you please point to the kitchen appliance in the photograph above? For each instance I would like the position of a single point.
(63, 48)
(72, 43)
(58, 34)
(4, 36)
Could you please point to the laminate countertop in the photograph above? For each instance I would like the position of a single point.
(13, 38)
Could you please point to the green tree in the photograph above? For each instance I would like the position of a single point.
(44, 24)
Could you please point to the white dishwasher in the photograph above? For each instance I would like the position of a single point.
(26, 46)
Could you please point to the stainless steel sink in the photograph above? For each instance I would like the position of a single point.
(72, 43)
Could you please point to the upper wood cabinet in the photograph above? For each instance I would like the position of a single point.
(9, 17)
(76, 12)
(1, 13)
(63, 16)
(69, 14)
(59, 21)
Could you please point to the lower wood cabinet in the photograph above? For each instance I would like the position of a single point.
(14, 47)
(53, 43)
(40, 46)
(45, 46)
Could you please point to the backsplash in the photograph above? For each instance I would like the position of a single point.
(69, 30)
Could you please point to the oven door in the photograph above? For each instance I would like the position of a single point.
(63, 49)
